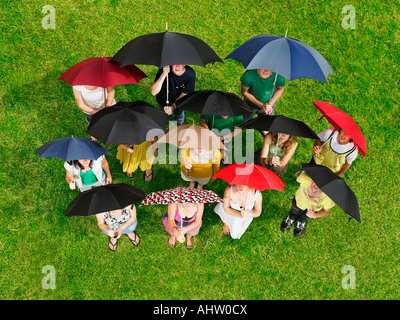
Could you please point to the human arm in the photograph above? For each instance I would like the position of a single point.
(231, 134)
(81, 104)
(344, 168)
(285, 159)
(319, 214)
(157, 84)
(257, 208)
(106, 168)
(317, 146)
(277, 94)
(127, 148)
(132, 218)
(103, 226)
(204, 123)
(265, 149)
(250, 97)
(110, 96)
(226, 204)
(171, 222)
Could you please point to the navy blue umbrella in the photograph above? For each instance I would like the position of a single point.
(71, 148)
(288, 57)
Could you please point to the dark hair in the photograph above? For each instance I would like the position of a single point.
(340, 130)
(76, 164)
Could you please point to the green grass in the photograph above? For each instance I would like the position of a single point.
(265, 263)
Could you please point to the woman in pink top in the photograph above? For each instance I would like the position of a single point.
(183, 219)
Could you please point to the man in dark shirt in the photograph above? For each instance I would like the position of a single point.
(181, 81)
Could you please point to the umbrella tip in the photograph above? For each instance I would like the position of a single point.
(166, 26)
(286, 32)
(102, 55)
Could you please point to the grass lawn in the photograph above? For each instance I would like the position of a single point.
(265, 264)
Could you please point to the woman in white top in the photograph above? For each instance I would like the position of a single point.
(90, 99)
(116, 222)
(86, 174)
(240, 205)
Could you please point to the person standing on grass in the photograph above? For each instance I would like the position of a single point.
(240, 205)
(309, 202)
(275, 156)
(114, 223)
(183, 221)
(199, 165)
(181, 81)
(335, 150)
(90, 99)
(225, 127)
(259, 92)
(86, 174)
(134, 156)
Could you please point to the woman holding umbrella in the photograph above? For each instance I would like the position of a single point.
(114, 223)
(241, 204)
(277, 150)
(85, 173)
(91, 99)
(183, 219)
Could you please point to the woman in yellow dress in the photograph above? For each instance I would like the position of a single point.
(134, 156)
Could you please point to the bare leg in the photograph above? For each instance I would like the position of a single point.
(191, 185)
(200, 187)
(189, 243)
(171, 241)
(225, 229)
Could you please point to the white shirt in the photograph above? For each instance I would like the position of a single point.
(92, 98)
(339, 148)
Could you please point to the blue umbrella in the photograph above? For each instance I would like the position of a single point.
(71, 148)
(288, 57)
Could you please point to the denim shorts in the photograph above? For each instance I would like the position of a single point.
(130, 228)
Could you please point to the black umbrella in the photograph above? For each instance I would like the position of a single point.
(335, 188)
(281, 124)
(127, 123)
(213, 102)
(165, 48)
(105, 198)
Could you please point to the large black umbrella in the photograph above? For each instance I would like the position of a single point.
(104, 198)
(213, 102)
(281, 124)
(335, 188)
(71, 148)
(165, 48)
(127, 123)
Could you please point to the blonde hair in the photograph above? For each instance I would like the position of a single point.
(287, 145)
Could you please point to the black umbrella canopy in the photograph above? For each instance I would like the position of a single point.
(103, 199)
(281, 124)
(127, 123)
(166, 48)
(213, 102)
(335, 188)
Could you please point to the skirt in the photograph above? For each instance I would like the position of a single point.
(139, 157)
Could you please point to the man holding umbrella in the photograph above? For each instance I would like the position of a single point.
(320, 190)
(261, 89)
(181, 81)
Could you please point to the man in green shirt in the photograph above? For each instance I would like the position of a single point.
(224, 127)
(256, 87)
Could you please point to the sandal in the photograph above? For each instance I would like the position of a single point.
(147, 176)
(114, 246)
(134, 241)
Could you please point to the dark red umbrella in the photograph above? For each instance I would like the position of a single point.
(340, 119)
(251, 175)
(101, 73)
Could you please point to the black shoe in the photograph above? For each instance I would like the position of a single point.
(299, 230)
(286, 224)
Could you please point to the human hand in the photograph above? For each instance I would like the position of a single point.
(317, 149)
(267, 108)
(112, 233)
(168, 110)
(72, 185)
(311, 213)
(130, 150)
(275, 160)
(179, 236)
(246, 214)
(212, 179)
(166, 70)
(108, 180)
(188, 164)
(93, 138)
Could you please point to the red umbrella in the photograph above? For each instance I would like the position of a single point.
(340, 119)
(251, 175)
(101, 73)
